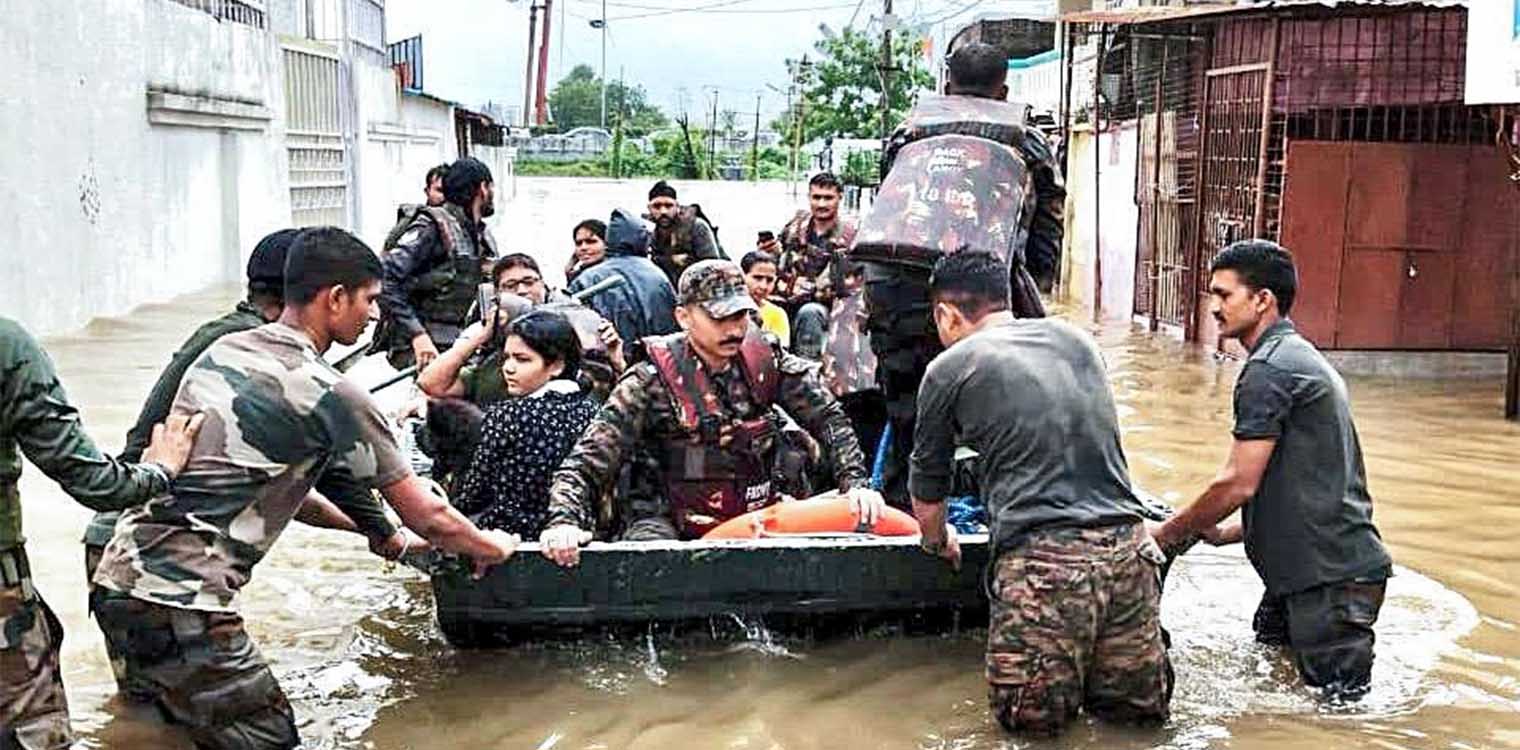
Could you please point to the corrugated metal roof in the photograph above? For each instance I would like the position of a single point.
(1151, 14)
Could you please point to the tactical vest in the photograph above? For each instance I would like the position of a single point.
(814, 260)
(956, 178)
(10, 515)
(707, 482)
(445, 292)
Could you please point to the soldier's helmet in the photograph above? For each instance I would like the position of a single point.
(718, 286)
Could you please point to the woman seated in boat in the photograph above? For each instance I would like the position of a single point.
(524, 438)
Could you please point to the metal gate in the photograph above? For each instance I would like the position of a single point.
(1165, 84)
(314, 137)
(1235, 108)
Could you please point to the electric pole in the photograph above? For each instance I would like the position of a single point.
(540, 102)
(712, 137)
(527, 111)
(886, 69)
(604, 64)
(754, 149)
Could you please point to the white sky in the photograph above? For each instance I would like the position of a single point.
(474, 50)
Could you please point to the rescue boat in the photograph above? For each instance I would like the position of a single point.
(849, 580)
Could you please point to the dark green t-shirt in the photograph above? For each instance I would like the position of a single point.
(1310, 522)
(1032, 398)
(483, 381)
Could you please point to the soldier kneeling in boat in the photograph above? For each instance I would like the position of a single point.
(697, 418)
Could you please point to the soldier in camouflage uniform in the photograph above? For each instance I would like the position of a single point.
(1075, 584)
(682, 234)
(432, 273)
(702, 403)
(36, 420)
(961, 172)
(266, 289)
(279, 421)
(809, 249)
(849, 365)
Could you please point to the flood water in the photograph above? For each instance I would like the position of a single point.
(355, 646)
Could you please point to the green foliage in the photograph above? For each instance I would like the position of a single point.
(862, 168)
(576, 101)
(668, 161)
(843, 87)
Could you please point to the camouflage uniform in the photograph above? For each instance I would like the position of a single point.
(357, 502)
(35, 416)
(431, 278)
(688, 241)
(278, 422)
(849, 368)
(1076, 623)
(645, 420)
(809, 272)
(962, 171)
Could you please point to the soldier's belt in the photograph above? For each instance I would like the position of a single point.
(14, 568)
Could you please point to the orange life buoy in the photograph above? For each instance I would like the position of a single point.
(819, 515)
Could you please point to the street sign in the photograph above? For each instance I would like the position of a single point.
(1493, 52)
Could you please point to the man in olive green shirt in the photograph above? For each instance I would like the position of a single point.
(37, 421)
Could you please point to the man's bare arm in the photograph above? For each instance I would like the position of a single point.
(1235, 484)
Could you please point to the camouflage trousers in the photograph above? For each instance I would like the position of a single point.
(904, 341)
(203, 671)
(1076, 623)
(34, 714)
(129, 689)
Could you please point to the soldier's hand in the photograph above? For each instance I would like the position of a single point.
(868, 506)
(171, 442)
(505, 544)
(403, 542)
(1224, 534)
(614, 343)
(562, 544)
(424, 350)
(952, 551)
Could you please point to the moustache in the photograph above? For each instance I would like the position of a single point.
(731, 341)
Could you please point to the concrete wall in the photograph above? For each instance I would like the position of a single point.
(112, 210)
(1118, 221)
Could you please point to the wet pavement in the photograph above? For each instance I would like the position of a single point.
(355, 646)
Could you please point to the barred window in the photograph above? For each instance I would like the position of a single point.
(247, 12)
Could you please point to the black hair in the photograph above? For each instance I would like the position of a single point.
(974, 281)
(826, 180)
(977, 66)
(597, 227)
(756, 257)
(463, 178)
(513, 260)
(324, 257)
(1262, 264)
(552, 335)
(662, 189)
(436, 173)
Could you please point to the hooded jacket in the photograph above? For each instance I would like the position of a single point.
(644, 305)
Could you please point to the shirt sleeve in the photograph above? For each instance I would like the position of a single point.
(371, 456)
(932, 469)
(593, 464)
(1263, 401)
(37, 413)
(808, 400)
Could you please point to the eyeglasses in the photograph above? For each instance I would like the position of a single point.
(526, 282)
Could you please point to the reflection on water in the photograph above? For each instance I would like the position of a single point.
(356, 648)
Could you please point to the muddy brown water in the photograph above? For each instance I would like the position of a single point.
(355, 646)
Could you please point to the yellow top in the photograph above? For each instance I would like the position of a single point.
(773, 320)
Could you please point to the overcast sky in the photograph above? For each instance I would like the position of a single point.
(475, 50)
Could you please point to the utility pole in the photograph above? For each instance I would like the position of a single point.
(540, 103)
(527, 111)
(712, 137)
(604, 64)
(886, 69)
(754, 149)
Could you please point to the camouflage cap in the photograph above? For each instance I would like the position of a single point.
(718, 286)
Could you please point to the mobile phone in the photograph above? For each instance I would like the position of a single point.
(485, 301)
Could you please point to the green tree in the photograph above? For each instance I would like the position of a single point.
(576, 101)
(842, 89)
